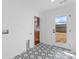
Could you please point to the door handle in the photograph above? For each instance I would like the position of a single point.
(53, 30)
(69, 30)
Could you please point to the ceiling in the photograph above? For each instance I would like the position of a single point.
(42, 5)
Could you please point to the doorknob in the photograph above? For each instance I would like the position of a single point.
(53, 30)
(69, 30)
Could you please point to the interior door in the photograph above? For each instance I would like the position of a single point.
(61, 31)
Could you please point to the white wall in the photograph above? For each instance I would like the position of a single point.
(18, 18)
(47, 25)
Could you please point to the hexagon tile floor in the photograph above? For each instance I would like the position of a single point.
(44, 51)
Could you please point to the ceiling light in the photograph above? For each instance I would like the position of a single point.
(52, 0)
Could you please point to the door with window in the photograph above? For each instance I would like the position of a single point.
(61, 31)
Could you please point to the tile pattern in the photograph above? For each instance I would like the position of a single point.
(44, 51)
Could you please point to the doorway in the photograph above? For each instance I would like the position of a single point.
(36, 30)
